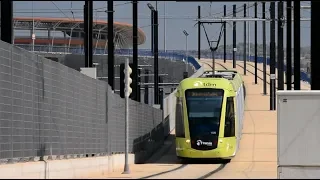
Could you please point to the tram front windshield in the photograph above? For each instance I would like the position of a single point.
(204, 111)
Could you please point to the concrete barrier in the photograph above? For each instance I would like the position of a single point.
(66, 168)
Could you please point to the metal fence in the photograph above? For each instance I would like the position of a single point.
(48, 110)
(171, 71)
(169, 54)
(303, 75)
(173, 55)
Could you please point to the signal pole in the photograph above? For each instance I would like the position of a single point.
(128, 91)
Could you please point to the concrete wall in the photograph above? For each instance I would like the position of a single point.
(66, 168)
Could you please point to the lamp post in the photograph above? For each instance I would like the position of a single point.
(187, 62)
(155, 53)
(152, 26)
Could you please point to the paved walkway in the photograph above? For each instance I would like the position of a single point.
(256, 157)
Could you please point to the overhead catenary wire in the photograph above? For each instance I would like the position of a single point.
(217, 45)
(72, 11)
(60, 10)
(239, 9)
(79, 11)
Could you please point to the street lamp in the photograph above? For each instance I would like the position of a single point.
(150, 7)
(154, 39)
(187, 62)
(152, 26)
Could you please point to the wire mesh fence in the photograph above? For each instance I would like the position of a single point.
(172, 55)
(48, 110)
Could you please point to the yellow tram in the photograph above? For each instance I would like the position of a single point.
(209, 115)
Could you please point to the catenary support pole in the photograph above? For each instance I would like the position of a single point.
(296, 44)
(156, 63)
(280, 58)
(272, 55)
(234, 27)
(224, 35)
(245, 40)
(152, 31)
(256, 44)
(7, 21)
(146, 88)
(264, 44)
(135, 82)
(110, 45)
(289, 46)
(85, 30)
(315, 45)
(90, 34)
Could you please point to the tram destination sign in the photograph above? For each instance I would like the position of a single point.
(207, 94)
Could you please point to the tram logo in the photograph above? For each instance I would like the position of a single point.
(198, 83)
(206, 84)
(199, 143)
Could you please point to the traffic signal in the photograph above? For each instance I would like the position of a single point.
(123, 80)
(135, 90)
(128, 80)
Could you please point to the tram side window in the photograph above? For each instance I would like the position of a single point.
(179, 119)
(229, 129)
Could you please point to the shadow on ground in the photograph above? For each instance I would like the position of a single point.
(167, 155)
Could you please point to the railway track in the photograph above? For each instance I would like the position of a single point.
(185, 167)
(203, 175)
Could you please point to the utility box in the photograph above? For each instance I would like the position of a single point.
(91, 72)
(298, 132)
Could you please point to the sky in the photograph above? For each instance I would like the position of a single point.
(174, 17)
